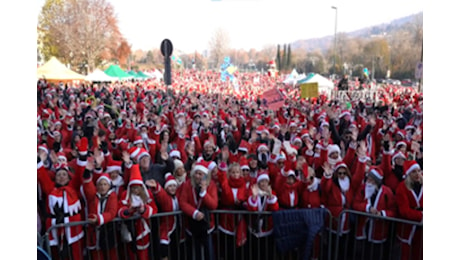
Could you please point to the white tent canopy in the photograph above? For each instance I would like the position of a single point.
(293, 78)
(99, 75)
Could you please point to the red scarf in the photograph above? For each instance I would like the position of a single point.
(236, 183)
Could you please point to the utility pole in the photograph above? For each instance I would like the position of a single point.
(335, 39)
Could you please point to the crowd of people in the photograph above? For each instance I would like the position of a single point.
(128, 149)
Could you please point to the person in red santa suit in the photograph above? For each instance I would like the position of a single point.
(197, 198)
(234, 193)
(336, 196)
(262, 198)
(392, 164)
(170, 226)
(409, 199)
(63, 204)
(309, 198)
(137, 200)
(102, 205)
(375, 198)
(288, 191)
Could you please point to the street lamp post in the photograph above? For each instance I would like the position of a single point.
(335, 38)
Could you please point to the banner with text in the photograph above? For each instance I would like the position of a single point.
(309, 90)
(273, 99)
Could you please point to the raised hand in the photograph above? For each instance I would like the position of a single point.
(151, 183)
(254, 190)
(125, 157)
(327, 170)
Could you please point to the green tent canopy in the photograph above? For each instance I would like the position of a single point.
(141, 74)
(133, 74)
(117, 72)
(309, 76)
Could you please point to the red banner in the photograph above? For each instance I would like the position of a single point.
(273, 99)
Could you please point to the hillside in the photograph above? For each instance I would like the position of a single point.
(326, 42)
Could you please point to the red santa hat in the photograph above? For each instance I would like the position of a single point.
(410, 166)
(262, 146)
(138, 140)
(262, 129)
(344, 113)
(244, 165)
(61, 155)
(169, 180)
(403, 143)
(135, 178)
(402, 133)
(201, 166)
(43, 148)
(174, 153)
(340, 165)
(281, 157)
(263, 176)
(244, 146)
(397, 155)
(137, 153)
(295, 140)
(304, 134)
(104, 176)
(376, 173)
(113, 165)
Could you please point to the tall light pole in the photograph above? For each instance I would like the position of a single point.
(335, 38)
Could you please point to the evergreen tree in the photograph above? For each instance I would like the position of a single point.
(288, 62)
(284, 57)
(278, 58)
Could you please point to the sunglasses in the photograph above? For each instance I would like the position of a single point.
(341, 173)
(245, 170)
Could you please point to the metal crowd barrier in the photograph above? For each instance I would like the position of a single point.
(331, 246)
(354, 95)
(349, 247)
(223, 244)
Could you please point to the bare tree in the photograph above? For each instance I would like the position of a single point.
(80, 32)
(219, 45)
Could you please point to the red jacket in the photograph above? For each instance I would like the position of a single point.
(68, 198)
(191, 203)
(105, 213)
(167, 203)
(263, 226)
(384, 202)
(234, 194)
(410, 207)
(309, 195)
(142, 229)
(336, 201)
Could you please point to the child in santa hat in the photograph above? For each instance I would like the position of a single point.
(137, 200)
(102, 205)
(170, 226)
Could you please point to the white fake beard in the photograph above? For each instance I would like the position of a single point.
(180, 179)
(333, 162)
(344, 184)
(263, 193)
(136, 201)
(118, 181)
(369, 190)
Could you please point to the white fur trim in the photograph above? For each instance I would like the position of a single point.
(245, 167)
(39, 165)
(105, 178)
(272, 200)
(200, 168)
(174, 153)
(413, 167)
(195, 213)
(170, 182)
(135, 153)
(101, 219)
(203, 193)
(135, 182)
(212, 165)
(112, 169)
(263, 177)
(252, 202)
(376, 174)
(138, 142)
(82, 163)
